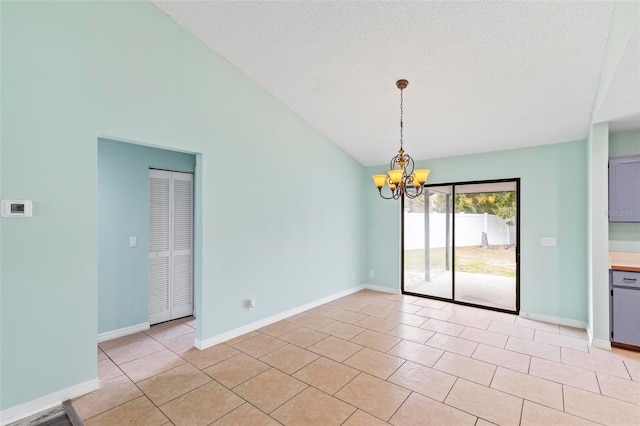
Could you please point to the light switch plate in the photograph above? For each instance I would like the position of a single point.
(549, 242)
(133, 241)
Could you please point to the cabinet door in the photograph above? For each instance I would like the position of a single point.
(626, 316)
(624, 189)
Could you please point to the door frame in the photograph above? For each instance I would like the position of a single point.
(453, 262)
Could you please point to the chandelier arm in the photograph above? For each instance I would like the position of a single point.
(410, 163)
(392, 197)
(397, 193)
(418, 192)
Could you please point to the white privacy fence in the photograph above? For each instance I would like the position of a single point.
(469, 229)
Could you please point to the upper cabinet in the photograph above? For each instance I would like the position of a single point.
(624, 188)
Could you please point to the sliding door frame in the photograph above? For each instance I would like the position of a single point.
(453, 235)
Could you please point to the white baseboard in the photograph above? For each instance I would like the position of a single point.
(46, 402)
(555, 320)
(602, 344)
(382, 288)
(212, 341)
(597, 343)
(121, 332)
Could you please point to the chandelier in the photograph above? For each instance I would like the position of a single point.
(402, 180)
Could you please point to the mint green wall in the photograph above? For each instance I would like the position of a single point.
(553, 200)
(624, 236)
(382, 236)
(72, 71)
(624, 143)
(123, 211)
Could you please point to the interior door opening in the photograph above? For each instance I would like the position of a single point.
(460, 244)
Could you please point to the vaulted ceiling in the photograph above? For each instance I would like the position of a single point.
(483, 76)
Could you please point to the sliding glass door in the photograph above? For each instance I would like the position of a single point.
(485, 244)
(427, 243)
(460, 243)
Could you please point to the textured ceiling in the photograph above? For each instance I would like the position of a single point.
(621, 106)
(483, 76)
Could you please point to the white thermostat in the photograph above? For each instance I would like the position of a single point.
(17, 208)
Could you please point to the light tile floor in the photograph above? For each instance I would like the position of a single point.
(368, 359)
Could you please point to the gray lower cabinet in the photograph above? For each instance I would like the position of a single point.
(625, 307)
(624, 188)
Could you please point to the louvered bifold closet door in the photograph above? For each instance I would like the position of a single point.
(182, 245)
(159, 245)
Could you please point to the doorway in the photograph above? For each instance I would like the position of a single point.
(460, 244)
(170, 277)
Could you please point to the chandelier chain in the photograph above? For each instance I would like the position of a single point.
(401, 114)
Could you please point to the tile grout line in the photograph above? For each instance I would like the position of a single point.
(495, 370)
(283, 403)
(351, 415)
(522, 410)
(400, 406)
(578, 415)
(348, 382)
(245, 402)
(598, 383)
(116, 406)
(241, 405)
(244, 381)
(450, 389)
(460, 409)
(404, 361)
(626, 367)
(159, 407)
(333, 396)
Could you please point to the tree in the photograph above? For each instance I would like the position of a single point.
(437, 202)
(501, 204)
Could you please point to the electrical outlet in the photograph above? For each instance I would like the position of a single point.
(371, 273)
(251, 303)
(133, 241)
(549, 242)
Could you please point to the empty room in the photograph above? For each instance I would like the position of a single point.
(320, 213)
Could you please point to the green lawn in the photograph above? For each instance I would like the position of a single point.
(495, 260)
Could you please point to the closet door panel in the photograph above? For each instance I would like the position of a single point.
(159, 246)
(182, 248)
